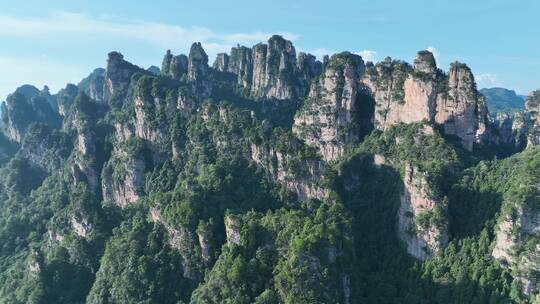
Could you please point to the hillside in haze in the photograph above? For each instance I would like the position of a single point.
(269, 176)
(503, 100)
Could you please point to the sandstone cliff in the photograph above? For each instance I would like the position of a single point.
(329, 118)
(117, 78)
(123, 177)
(424, 93)
(174, 66)
(93, 85)
(270, 70)
(306, 183)
(532, 109)
(422, 225)
(198, 72)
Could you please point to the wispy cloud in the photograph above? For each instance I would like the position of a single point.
(435, 52)
(153, 33)
(321, 52)
(368, 55)
(486, 80)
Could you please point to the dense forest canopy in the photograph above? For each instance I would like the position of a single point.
(268, 177)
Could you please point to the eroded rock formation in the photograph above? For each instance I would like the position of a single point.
(404, 94)
(329, 119)
(532, 108)
(421, 225)
(117, 77)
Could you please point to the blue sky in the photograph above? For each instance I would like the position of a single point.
(63, 41)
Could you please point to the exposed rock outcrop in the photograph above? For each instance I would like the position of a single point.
(221, 63)
(81, 226)
(404, 95)
(462, 110)
(274, 67)
(174, 66)
(270, 70)
(198, 71)
(511, 129)
(117, 77)
(329, 118)
(81, 122)
(206, 241)
(308, 68)
(305, 184)
(241, 65)
(183, 240)
(386, 82)
(123, 178)
(143, 128)
(66, 98)
(514, 234)
(232, 230)
(19, 112)
(532, 109)
(421, 224)
(93, 85)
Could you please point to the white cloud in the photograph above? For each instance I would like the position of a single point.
(38, 71)
(153, 33)
(321, 52)
(486, 80)
(434, 51)
(368, 55)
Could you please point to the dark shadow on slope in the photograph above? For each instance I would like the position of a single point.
(384, 272)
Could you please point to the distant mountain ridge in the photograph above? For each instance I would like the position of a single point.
(503, 100)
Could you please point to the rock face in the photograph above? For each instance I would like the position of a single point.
(513, 233)
(123, 178)
(232, 230)
(93, 85)
(183, 240)
(206, 239)
(241, 65)
(270, 70)
(386, 82)
(532, 108)
(462, 111)
(419, 225)
(221, 63)
(425, 63)
(274, 67)
(83, 168)
(117, 76)
(80, 121)
(308, 68)
(23, 109)
(38, 151)
(305, 184)
(329, 118)
(154, 70)
(81, 226)
(143, 128)
(511, 129)
(198, 71)
(404, 95)
(174, 66)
